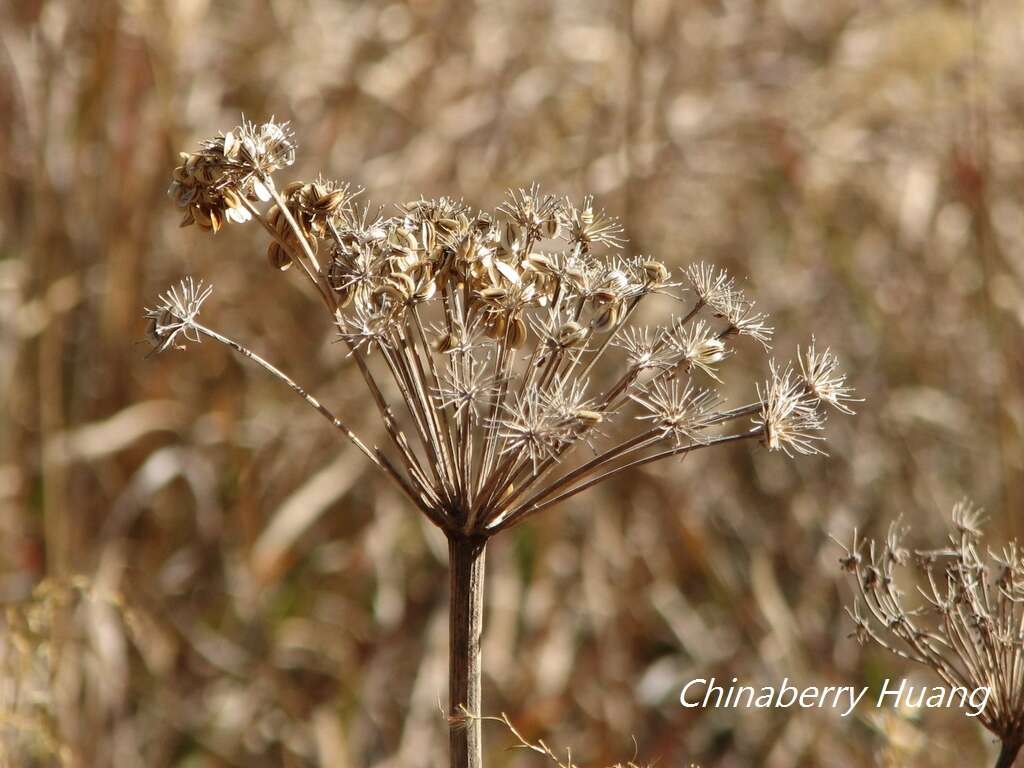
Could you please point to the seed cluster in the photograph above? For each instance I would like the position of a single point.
(495, 344)
(970, 629)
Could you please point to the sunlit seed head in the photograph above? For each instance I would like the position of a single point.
(710, 284)
(681, 412)
(586, 227)
(699, 346)
(739, 312)
(466, 387)
(174, 316)
(791, 423)
(644, 347)
(968, 519)
(824, 380)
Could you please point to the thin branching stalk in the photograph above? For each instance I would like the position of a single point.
(970, 628)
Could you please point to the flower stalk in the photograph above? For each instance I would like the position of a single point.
(466, 557)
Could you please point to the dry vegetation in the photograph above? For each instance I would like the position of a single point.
(254, 595)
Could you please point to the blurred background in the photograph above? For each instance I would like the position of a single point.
(197, 573)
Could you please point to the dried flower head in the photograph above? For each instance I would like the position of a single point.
(789, 417)
(682, 412)
(175, 314)
(699, 346)
(503, 355)
(824, 380)
(216, 183)
(970, 627)
(494, 345)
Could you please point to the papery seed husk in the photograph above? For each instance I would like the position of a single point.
(656, 272)
(493, 293)
(606, 319)
(571, 334)
(517, 334)
(428, 236)
(507, 271)
(261, 190)
(494, 325)
(447, 226)
(202, 217)
(539, 261)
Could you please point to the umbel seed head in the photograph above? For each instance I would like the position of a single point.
(500, 348)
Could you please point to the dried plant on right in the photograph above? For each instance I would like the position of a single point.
(970, 628)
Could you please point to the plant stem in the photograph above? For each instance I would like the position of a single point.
(1007, 754)
(466, 563)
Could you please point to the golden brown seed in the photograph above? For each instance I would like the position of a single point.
(657, 273)
(493, 293)
(571, 334)
(517, 333)
(539, 262)
(428, 236)
(606, 319)
(589, 417)
(494, 326)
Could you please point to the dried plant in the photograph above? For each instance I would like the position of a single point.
(497, 347)
(970, 629)
(35, 644)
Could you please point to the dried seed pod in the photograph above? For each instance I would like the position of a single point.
(571, 334)
(657, 273)
(539, 262)
(493, 294)
(400, 286)
(589, 418)
(606, 319)
(517, 333)
(507, 271)
(292, 189)
(708, 352)
(509, 234)
(404, 240)
(428, 236)
(494, 325)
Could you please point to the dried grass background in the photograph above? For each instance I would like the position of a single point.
(228, 585)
